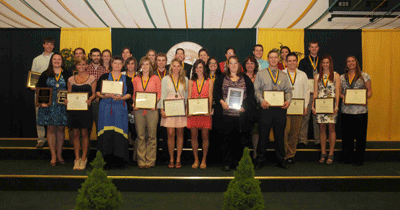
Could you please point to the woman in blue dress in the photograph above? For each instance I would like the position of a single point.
(55, 115)
(112, 136)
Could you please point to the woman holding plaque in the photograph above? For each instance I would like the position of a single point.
(354, 116)
(174, 86)
(81, 121)
(283, 53)
(146, 117)
(236, 123)
(200, 87)
(327, 85)
(55, 115)
(112, 134)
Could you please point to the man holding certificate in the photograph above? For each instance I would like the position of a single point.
(298, 107)
(354, 111)
(274, 93)
(147, 92)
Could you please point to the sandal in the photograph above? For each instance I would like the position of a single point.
(53, 163)
(195, 165)
(329, 161)
(203, 166)
(178, 165)
(323, 158)
(61, 161)
(171, 165)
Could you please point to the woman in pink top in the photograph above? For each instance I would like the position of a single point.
(200, 86)
(145, 81)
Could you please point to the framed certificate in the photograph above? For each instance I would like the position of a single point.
(174, 107)
(355, 97)
(198, 106)
(235, 98)
(33, 78)
(77, 101)
(114, 87)
(145, 100)
(296, 107)
(324, 105)
(275, 98)
(311, 85)
(43, 96)
(61, 96)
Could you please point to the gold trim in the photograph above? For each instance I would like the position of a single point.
(112, 128)
(202, 178)
(18, 13)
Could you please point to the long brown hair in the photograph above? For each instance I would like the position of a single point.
(358, 69)
(228, 71)
(182, 76)
(141, 62)
(50, 68)
(321, 69)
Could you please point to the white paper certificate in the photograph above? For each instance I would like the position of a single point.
(115, 87)
(274, 98)
(198, 106)
(145, 100)
(77, 101)
(311, 85)
(355, 97)
(324, 105)
(235, 98)
(174, 107)
(296, 107)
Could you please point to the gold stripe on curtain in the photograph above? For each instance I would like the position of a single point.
(87, 38)
(270, 38)
(380, 60)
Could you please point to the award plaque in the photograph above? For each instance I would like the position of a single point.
(311, 85)
(77, 101)
(235, 98)
(324, 105)
(43, 96)
(296, 107)
(355, 97)
(145, 100)
(61, 96)
(33, 78)
(275, 98)
(112, 87)
(198, 106)
(174, 107)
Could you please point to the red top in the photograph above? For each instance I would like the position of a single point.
(280, 66)
(153, 86)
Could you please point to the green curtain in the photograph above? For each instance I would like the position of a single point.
(18, 49)
(161, 40)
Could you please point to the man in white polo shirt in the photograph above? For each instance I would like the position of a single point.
(40, 64)
(299, 83)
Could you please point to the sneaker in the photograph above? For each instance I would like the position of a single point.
(77, 164)
(40, 144)
(82, 164)
(291, 161)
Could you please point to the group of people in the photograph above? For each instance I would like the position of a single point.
(118, 120)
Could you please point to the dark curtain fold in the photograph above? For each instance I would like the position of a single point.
(161, 40)
(18, 49)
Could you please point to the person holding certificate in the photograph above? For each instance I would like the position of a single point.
(54, 116)
(327, 85)
(174, 87)
(146, 113)
(200, 87)
(80, 121)
(234, 95)
(354, 115)
(283, 53)
(300, 92)
(274, 93)
(113, 89)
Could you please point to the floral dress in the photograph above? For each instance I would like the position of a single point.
(326, 92)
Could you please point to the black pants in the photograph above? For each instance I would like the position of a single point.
(233, 140)
(354, 127)
(274, 117)
(162, 134)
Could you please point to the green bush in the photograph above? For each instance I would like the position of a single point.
(244, 191)
(98, 191)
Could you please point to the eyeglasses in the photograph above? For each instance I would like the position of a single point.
(230, 53)
(213, 63)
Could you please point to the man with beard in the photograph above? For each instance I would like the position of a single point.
(96, 70)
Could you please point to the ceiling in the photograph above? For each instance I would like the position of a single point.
(313, 14)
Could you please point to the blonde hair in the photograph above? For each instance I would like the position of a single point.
(182, 76)
(79, 60)
(141, 62)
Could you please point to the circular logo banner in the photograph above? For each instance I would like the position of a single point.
(191, 51)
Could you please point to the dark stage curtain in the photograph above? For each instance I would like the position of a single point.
(18, 49)
(339, 44)
(161, 40)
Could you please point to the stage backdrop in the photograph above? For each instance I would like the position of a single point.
(18, 49)
(161, 40)
(86, 38)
